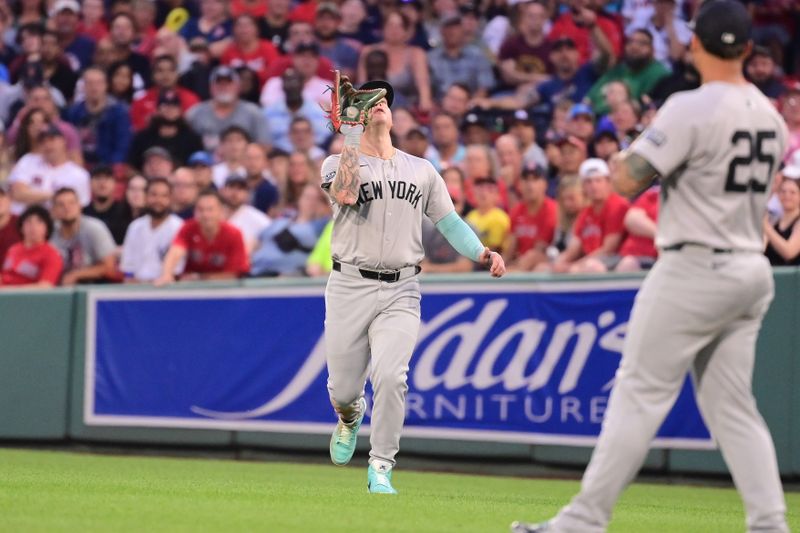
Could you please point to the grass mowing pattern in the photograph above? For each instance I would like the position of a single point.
(59, 491)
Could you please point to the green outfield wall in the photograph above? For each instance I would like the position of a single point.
(42, 349)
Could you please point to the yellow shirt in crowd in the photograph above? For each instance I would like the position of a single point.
(492, 227)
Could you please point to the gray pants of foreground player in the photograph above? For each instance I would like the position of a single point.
(702, 312)
(371, 327)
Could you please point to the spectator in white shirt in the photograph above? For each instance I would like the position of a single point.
(149, 237)
(233, 144)
(305, 60)
(638, 12)
(671, 34)
(37, 176)
(246, 218)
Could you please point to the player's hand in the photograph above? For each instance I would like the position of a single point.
(497, 267)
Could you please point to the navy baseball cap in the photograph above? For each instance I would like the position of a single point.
(236, 180)
(722, 26)
(51, 131)
(223, 72)
(169, 97)
(381, 84)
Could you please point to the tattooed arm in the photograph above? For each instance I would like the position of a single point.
(631, 173)
(344, 188)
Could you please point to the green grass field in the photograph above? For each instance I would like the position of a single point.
(59, 491)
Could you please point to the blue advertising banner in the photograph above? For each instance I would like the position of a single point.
(530, 362)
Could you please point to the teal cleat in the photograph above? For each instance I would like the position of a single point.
(343, 440)
(380, 481)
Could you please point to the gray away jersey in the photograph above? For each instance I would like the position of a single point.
(384, 228)
(717, 149)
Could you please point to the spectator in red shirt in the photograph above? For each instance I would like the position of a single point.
(9, 233)
(248, 50)
(93, 24)
(144, 11)
(639, 252)
(533, 222)
(598, 232)
(212, 248)
(34, 261)
(586, 27)
(165, 79)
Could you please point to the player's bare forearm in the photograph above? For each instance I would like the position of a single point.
(631, 173)
(344, 188)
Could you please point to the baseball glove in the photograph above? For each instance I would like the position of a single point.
(350, 105)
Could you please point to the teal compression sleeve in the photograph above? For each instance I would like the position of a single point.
(460, 236)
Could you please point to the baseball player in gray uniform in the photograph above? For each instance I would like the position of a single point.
(372, 301)
(700, 308)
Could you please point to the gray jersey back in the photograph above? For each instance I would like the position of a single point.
(717, 149)
(384, 229)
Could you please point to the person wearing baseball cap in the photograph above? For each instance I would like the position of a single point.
(157, 161)
(115, 214)
(599, 229)
(241, 215)
(211, 117)
(533, 221)
(165, 78)
(167, 129)
(573, 153)
(580, 122)
(711, 146)
(66, 15)
(763, 72)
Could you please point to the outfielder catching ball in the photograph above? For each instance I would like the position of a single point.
(716, 149)
(372, 300)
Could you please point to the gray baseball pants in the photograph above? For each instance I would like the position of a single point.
(371, 329)
(701, 312)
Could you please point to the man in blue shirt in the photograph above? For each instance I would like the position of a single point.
(78, 49)
(103, 124)
(571, 80)
(331, 45)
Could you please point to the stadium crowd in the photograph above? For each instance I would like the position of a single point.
(159, 140)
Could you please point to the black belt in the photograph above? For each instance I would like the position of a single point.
(680, 245)
(389, 276)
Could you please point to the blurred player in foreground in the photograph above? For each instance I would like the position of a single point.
(700, 309)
